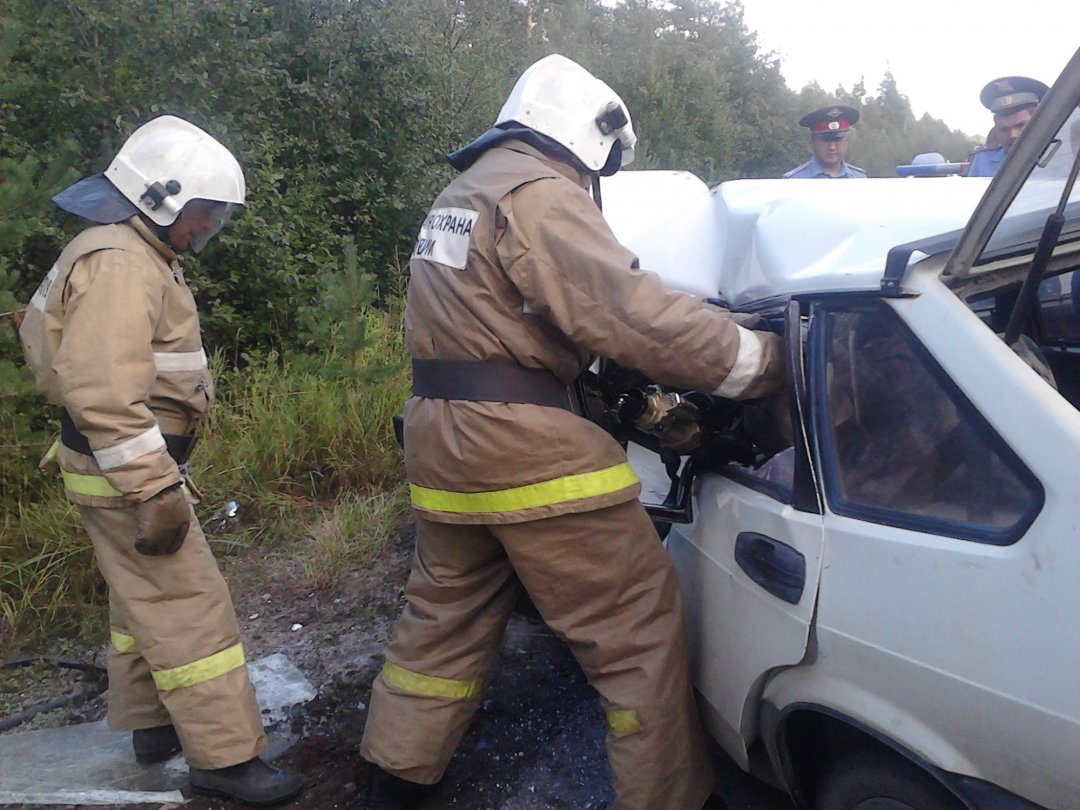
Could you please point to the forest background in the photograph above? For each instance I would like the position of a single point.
(341, 112)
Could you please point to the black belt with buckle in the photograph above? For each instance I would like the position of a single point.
(179, 447)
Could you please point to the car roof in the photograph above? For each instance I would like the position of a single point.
(756, 240)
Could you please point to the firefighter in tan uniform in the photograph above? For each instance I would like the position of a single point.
(515, 282)
(112, 336)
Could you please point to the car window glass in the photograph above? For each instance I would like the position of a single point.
(1059, 310)
(1054, 328)
(906, 447)
(1041, 192)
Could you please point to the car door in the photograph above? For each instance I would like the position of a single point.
(749, 567)
(946, 613)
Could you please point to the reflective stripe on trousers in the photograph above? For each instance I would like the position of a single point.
(187, 674)
(620, 721)
(429, 685)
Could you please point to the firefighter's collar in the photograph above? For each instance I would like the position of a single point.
(566, 170)
(540, 146)
(150, 237)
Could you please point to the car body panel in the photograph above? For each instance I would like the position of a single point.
(668, 219)
(738, 238)
(981, 642)
(953, 637)
(965, 653)
(770, 633)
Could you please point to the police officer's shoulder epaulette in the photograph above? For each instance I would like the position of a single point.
(857, 168)
(793, 172)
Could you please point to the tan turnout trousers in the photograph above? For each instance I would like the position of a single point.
(175, 654)
(592, 576)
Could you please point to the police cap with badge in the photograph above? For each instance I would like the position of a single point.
(830, 123)
(1010, 93)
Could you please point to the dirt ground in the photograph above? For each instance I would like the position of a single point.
(536, 743)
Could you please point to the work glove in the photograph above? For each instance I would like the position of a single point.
(161, 522)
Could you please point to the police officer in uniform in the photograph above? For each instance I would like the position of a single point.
(1012, 100)
(112, 336)
(829, 129)
(515, 283)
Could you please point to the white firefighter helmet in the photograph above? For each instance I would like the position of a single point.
(168, 162)
(559, 98)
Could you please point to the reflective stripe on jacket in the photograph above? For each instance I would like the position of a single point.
(112, 335)
(514, 262)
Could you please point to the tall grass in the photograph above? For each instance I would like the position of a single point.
(47, 574)
(305, 446)
(310, 429)
(349, 532)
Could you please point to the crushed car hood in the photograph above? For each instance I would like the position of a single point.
(754, 240)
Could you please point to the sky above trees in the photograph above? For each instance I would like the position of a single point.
(941, 54)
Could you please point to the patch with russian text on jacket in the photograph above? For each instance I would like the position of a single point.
(445, 235)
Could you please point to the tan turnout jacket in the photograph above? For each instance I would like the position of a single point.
(112, 335)
(515, 263)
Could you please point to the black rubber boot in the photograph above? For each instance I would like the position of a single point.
(252, 782)
(154, 744)
(388, 792)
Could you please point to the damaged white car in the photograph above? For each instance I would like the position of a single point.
(884, 599)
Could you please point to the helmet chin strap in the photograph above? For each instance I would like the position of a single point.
(612, 165)
(160, 231)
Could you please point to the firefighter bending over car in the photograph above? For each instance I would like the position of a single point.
(516, 282)
(112, 336)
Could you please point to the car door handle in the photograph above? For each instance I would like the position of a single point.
(772, 564)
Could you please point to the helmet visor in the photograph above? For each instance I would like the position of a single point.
(96, 199)
(202, 220)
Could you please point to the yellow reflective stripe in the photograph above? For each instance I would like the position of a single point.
(53, 451)
(429, 685)
(98, 485)
(546, 493)
(202, 670)
(122, 641)
(90, 485)
(623, 721)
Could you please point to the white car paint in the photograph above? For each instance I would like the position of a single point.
(962, 654)
(758, 239)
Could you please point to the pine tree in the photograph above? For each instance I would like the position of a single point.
(336, 326)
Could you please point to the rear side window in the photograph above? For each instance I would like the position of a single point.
(903, 446)
(1059, 310)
